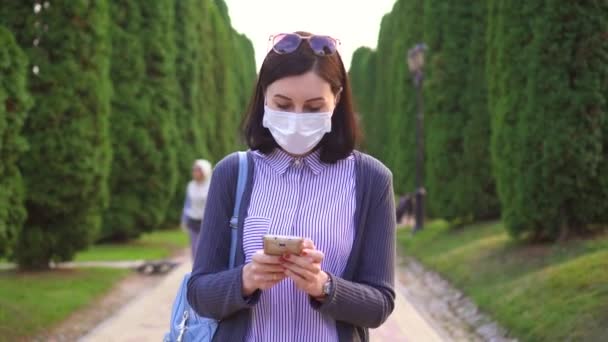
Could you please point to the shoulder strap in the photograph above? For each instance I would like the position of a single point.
(234, 222)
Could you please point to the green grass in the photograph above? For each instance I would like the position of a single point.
(538, 292)
(150, 246)
(31, 303)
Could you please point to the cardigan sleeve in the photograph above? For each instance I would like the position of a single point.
(369, 299)
(214, 290)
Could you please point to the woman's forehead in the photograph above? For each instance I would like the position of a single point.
(301, 87)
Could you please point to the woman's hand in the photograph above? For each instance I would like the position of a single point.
(305, 269)
(263, 272)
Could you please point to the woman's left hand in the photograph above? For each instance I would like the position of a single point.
(305, 269)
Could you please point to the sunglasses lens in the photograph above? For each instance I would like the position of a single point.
(286, 43)
(323, 45)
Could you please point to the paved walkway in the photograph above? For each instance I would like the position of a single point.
(5, 266)
(146, 318)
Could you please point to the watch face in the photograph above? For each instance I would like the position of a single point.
(327, 288)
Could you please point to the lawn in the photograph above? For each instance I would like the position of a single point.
(538, 292)
(31, 303)
(150, 246)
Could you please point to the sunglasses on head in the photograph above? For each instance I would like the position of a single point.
(286, 43)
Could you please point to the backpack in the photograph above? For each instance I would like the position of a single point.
(186, 325)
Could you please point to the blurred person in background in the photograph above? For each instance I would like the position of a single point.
(196, 198)
(405, 210)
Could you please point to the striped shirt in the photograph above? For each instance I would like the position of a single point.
(302, 197)
(361, 298)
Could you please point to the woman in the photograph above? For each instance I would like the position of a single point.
(196, 198)
(305, 179)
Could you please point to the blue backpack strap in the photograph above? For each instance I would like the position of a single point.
(234, 221)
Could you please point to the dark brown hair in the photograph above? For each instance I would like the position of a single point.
(335, 145)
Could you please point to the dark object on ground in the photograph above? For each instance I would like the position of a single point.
(156, 267)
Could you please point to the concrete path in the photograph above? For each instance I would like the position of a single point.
(84, 264)
(146, 317)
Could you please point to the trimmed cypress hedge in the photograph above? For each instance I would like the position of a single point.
(14, 105)
(390, 112)
(216, 72)
(458, 177)
(132, 137)
(189, 110)
(225, 85)
(515, 98)
(160, 91)
(548, 90)
(481, 198)
(67, 166)
(459, 180)
(136, 87)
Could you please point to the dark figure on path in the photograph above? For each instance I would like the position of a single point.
(196, 198)
(405, 210)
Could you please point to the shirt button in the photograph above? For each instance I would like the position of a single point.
(297, 162)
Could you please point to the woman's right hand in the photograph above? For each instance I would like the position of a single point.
(263, 272)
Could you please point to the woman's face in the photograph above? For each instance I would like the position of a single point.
(197, 174)
(306, 93)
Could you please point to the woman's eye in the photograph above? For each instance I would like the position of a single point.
(283, 107)
(314, 110)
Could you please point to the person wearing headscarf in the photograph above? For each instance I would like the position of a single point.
(196, 198)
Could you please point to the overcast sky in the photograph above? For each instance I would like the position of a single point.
(355, 22)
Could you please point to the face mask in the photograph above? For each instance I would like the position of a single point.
(297, 133)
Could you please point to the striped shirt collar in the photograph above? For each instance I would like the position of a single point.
(280, 161)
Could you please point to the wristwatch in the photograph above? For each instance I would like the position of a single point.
(327, 287)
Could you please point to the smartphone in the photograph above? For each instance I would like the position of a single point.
(281, 244)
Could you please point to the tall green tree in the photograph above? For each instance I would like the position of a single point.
(161, 93)
(132, 140)
(225, 84)
(189, 110)
(245, 59)
(362, 75)
(67, 166)
(215, 68)
(389, 110)
(208, 98)
(14, 105)
(548, 93)
(459, 182)
(458, 175)
(479, 187)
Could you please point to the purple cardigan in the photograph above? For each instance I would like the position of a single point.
(363, 298)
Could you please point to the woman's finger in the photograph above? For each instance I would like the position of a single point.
(304, 262)
(268, 268)
(275, 277)
(308, 244)
(298, 279)
(272, 280)
(300, 271)
(262, 258)
(315, 254)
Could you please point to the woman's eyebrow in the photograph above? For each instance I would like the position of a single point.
(282, 96)
(315, 99)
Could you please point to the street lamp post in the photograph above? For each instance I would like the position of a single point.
(415, 62)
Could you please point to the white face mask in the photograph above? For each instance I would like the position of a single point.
(297, 133)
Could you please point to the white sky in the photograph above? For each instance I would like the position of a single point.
(354, 22)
